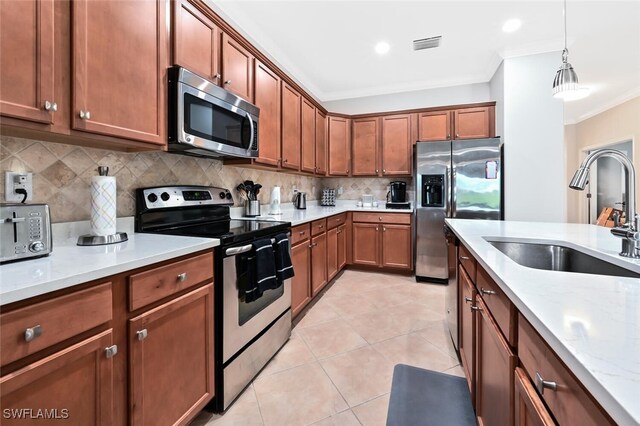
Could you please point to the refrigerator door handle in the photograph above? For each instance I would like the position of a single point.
(453, 192)
(447, 190)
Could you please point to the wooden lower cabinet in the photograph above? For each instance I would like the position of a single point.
(365, 244)
(318, 263)
(342, 247)
(332, 253)
(396, 246)
(529, 409)
(495, 365)
(171, 348)
(300, 283)
(75, 383)
(467, 293)
(385, 245)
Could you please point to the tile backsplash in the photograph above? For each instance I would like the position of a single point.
(354, 188)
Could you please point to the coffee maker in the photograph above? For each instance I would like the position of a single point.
(397, 196)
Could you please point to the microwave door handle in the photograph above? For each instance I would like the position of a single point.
(251, 129)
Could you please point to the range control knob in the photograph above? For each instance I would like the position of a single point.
(164, 196)
(228, 196)
(36, 246)
(152, 198)
(222, 195)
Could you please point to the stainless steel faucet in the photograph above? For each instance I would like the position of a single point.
(629, 231)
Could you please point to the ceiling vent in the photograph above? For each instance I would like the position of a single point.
(427, 43)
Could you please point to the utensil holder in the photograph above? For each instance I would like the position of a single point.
(252, 208)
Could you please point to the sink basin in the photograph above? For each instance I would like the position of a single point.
(554, 257)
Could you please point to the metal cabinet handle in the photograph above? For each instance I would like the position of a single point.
(85, 115)
(303, 232)
(285, 160)
(448, 135)
(182, 277)
(542, 384)
(227, 82)
(32, 333)
(377, 228)
(464, 257)
(142, 334)
(468, 300)
(217, 76)
(487, 292)
(111, 351)
(384, 229)
(50, 106)
(379, 217)
(376, 171)
(475, 308)
(457, 135)
(384, 171)
(312, 245)
(320, 226)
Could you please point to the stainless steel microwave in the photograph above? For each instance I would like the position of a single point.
(208, 121)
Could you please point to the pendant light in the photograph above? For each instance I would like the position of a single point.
(565, 84)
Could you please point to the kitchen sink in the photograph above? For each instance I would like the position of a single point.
(555, 257)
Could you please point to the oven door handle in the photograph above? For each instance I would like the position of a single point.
(251, 129)
(237, 250)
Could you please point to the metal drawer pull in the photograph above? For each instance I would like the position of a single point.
(32, 333)
(303, 232)
(142, 334)
(487, 292)
(217, 76)
(468, 300)
(50, 106)
(312, 245)
(475, 308)
(464, 258)
(85, 115)
(111, 351)
(542, 384)
(182, 277)
(320, 226)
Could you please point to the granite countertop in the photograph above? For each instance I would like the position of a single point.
(591, 321)
(70, 264)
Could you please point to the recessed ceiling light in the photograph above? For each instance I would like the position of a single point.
(511, 25)
(382, 48)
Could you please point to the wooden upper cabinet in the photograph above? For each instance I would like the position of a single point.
(26, 60)
(162, 341)
(308, 137)
(237, 68)
(397, 146)
(291, 127)
(267, 98)
(78, 379)
(339, 146)
(396, 246)
(473, 123)
(119, 68)
(321, 143)
(196, 41)
(365, 142)
(434, 126)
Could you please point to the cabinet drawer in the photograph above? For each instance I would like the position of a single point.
(27, 330)
(318, 227)
(393, 218)
(570, 403)
(336, 220)
(300, 233)
(468, 262)
(155, 284)
(499, 305)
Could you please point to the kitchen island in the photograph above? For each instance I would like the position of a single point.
(591, 322)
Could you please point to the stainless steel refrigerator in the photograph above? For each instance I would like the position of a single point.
(460, 179)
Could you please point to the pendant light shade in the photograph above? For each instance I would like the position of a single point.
(565, 84)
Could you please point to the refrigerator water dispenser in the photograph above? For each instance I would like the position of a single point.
(433, 190)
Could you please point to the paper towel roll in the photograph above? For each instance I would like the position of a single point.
(103, 205)
(275, 200)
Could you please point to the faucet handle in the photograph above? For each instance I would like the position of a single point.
(616, 219)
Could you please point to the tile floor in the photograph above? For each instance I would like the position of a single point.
(337, 367)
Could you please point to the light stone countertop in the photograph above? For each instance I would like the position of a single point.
(70, 264)
(591, 321)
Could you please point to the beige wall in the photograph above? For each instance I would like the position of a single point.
(615, 125)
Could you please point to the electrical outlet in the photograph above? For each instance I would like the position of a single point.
(340, 190)
(16, 180)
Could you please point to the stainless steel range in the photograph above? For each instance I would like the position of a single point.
(248, 332)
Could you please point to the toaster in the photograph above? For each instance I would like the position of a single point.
(25, 231)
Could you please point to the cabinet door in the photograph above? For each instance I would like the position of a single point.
(119, 68)
(529, 408)
(267, 98)
(396, 145)
(494, 371)
(365, 147)
(300, 283)
(467, 292)
(434, 126)
(237, 68)
(318, 263)
(162, 343)
(332, 253)
(291, 104)
(472, 123)
(396, 246)
(342, 247)
(321, 143)
(26, 60)
(196, 41)
(77, 382)
(308, 136)
(339, 149)
(365, 244)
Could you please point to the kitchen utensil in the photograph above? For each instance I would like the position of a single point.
(300, 200)
(252, 208)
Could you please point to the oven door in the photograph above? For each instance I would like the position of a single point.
(242, 320)
(208, 123)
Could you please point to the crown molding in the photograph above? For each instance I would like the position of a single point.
(627, 96)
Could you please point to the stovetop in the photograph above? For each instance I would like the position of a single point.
(229, 231)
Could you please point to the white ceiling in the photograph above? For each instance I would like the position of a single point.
(327, 46)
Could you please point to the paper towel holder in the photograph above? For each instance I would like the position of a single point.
(101, 240)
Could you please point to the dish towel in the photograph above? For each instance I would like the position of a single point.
(284, 268)
(265, 265)
(246, 276)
